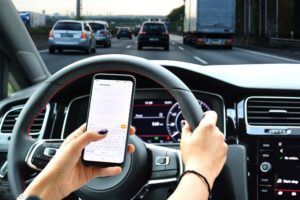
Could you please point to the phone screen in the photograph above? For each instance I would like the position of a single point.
(110, 107)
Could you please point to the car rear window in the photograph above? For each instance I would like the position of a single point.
(154, 27)
(96, 26)
(72, 26)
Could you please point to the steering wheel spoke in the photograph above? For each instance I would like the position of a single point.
(166, 164)
(41, 152)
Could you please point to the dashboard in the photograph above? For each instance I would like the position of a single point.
(156, 115)
(261, 115)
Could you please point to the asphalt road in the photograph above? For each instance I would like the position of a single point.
(178, 52)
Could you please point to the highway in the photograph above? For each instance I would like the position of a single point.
(178, 52)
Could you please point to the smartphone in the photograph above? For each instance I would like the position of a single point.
(110, 107)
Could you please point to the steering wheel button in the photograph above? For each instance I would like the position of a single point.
(163, 174)
(50, 152)
(157, 155)
(162, 160)
(172, 161)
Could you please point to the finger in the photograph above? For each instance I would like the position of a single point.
(130, 148)
(210, 118)
(132, 130)
(75, 134)
(86, 138)
(107, 171)
(186, 131)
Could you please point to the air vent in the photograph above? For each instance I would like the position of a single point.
(10, 117)
(273, 112)
(9, 120)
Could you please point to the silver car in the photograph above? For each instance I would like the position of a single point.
(102, 33)
(71, 34)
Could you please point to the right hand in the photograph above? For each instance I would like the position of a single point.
(205, 149)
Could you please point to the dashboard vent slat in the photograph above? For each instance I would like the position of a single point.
(273, 111)
(11, 116)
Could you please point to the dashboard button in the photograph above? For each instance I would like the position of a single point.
(265, 193)
(265, 167)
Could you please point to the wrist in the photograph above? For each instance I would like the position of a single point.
(202, 170)
(43, 188)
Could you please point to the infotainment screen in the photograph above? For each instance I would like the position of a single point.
(279, 176)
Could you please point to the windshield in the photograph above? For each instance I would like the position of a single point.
(203, 32)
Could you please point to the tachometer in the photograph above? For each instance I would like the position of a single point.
(174, 117)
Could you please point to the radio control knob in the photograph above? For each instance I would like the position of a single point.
(265, 167)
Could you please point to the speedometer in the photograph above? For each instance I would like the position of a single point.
(174, 117)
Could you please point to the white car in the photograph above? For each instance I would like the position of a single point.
(71, 34)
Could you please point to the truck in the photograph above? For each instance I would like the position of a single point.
(33, 19)
(209, 23)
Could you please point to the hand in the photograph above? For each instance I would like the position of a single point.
(65, 173)
(204, 150)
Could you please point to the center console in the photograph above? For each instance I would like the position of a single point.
(272, 126)
(279, 169)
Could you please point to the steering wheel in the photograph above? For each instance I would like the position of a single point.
(150, 165)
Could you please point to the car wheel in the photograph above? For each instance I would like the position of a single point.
(167, 47)
(118, 37)
(60, 50)
(140, 47)
(51, 50)
(93, 50)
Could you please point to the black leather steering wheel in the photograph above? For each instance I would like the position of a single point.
(23, 149)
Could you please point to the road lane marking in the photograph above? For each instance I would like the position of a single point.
(128, 47)
(201, 60)
(42, 51)
(269, 55)
(181, 48)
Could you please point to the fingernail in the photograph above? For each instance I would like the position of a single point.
(103, 131)
(182, 123)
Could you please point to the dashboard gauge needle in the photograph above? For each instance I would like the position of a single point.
(175, 134)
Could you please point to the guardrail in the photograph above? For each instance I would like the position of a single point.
(285, 43)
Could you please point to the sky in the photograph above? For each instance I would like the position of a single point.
(100, 7)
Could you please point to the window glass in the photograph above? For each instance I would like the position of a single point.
(154, 27)
(96, 26)
(68, 26)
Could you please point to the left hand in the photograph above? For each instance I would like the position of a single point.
(65, 173)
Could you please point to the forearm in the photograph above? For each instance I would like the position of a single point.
(190, 187)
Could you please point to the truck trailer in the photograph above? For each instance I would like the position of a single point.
(209, 23)
(33, 19)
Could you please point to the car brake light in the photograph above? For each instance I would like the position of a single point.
(142, 33)
(104, 32)
(165, 33)
(51, 34)
(84, 35)
(228, 41)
